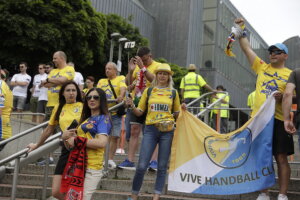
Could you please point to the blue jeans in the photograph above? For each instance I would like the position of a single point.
(151, 138)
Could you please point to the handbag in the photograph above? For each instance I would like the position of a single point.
(165, 126)
(121, 110)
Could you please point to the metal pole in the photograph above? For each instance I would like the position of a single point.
(238, 118)
(119, 56)
(46, 172)
(15, 179)
(111, 52)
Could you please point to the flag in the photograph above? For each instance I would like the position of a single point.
(206, 162)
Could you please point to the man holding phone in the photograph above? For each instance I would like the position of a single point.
(140, 70)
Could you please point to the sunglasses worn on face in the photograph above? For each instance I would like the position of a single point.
(90, 97)
(276, 52)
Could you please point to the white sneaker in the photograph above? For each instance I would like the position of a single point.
(263, 196)
(120, 151)
(111, 164)
(282, 197)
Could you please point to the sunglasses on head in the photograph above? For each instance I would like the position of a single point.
(276, 52)
(96, 97)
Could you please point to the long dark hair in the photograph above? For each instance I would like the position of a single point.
(103, 109)
(62, 100)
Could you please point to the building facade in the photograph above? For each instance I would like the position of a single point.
(194, 31)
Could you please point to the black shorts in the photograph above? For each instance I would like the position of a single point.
(137, 120)
(62, 161)
(282, 141)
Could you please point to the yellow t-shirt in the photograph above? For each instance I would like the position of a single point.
(67, 72)
(117, 84)
(136, 76)
(269, 79)
(223, 113)
(160, 105)
(5, 128)
(90, 128)
(68, 113)
(8, 96)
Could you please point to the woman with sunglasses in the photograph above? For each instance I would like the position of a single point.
(95, 127)
(69, 109)
(161, 103)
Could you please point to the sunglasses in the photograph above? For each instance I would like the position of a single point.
(276, 52)
(90, 97)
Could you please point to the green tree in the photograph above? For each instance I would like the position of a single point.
(32, 30)
(179, 72)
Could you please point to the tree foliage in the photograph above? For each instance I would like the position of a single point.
(179, 72)
(31, 30)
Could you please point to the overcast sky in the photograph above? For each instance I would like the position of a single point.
(274, 20)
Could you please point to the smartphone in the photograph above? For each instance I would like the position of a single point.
(73, 125)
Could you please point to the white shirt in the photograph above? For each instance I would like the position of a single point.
(21, 90)
(78, 78)
(36, 82)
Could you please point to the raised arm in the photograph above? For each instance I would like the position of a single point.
(245, 45)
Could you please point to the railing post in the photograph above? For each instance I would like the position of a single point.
(15, 178)
(238, 119)
(45, 183)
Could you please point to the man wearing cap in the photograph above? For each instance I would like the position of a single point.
(272, 77)
(191, 84)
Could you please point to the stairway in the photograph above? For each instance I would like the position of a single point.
(117, 186)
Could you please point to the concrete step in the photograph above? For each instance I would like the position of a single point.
(24, 191)
(148, 186)
(116, 195)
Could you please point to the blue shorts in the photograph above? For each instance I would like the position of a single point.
(117, 125)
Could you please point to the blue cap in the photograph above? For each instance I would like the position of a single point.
(279, 46)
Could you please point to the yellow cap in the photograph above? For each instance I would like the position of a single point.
(192, 67)
(165, 68)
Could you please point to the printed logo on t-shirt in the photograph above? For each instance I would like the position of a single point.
(159, 107)
(76, 109)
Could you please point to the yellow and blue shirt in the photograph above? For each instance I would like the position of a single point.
(160, 105)
(269, 79)
(90, 128)
(117, 84)
(68, 113)
(67, 72)
(5, 125)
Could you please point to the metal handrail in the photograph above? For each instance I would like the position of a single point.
(3, 142)
(50, 144)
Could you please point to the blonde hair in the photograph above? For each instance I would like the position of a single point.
(170, 82)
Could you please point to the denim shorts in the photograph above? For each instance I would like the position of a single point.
(117, 125)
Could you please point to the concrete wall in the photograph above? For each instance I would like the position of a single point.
(21, 143)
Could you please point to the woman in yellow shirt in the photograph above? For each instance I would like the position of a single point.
(63, 114)
(162, 105)
(95, 126)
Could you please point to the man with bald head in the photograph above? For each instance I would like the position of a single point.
(114, 86)
(56, 78)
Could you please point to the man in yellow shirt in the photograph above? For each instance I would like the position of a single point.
(56, 78)
(141, 71)
(272, 77)
(224, 114)
(114, 86)
(6, 105)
